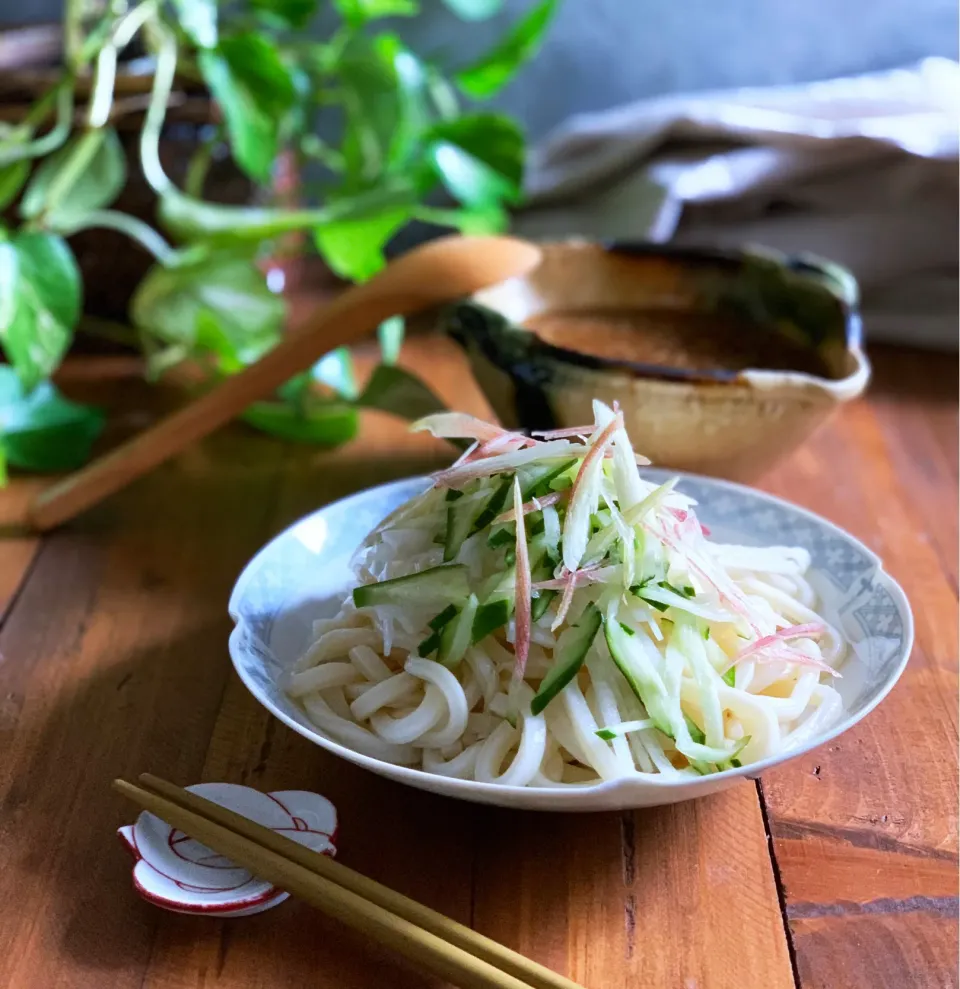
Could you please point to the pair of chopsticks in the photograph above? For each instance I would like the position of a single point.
(425, 937)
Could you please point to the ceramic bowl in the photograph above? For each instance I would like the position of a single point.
(722, 423)
(304, 574)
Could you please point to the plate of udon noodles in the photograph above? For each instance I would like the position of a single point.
(552, 623)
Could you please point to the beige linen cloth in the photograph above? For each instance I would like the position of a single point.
(860, 170)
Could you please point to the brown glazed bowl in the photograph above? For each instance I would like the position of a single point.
(732, 424)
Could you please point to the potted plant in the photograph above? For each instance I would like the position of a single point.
(406, 132)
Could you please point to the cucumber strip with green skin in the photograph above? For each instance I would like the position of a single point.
(540, 604)
(706, 768)
(440, 620)
(444, 583)
(503, 585)
(429, 645)
(733, 762)
(696, 752)
(703, 768)
(730, 677)
(569, 655)
(460, 516)
(563, 478)
(640, 674)
(457, 634)
(542, 567)
(501, 537)
(686, 592)
(491, 616)
(510, 557)
(696, 733)
(493, 507)
(453, 494)
(539, 482)
(637, 591)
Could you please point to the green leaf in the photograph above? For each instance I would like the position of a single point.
(218, 300)
(358, 12)
(469, 180)
(335, 370)
(42, 430)
(384, 93)
(394, 390)
(474, 10)
(479, 159)
(255, 90)
(354, 248)
(39, 303)
(412, 79)
(286, 13)
(492, 138)
(390, 337)
(325, 425)
(492, 71)
(12, 178)
(198, 18)
(86, 174)
(212, 336)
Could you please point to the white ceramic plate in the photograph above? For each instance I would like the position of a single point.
(304, 574)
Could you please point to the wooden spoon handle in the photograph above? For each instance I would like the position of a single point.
(348, 318)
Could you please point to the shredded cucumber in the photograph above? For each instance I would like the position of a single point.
(569, 654)
(457, 635)
(448, 582)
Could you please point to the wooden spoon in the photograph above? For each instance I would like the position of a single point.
(443, 269)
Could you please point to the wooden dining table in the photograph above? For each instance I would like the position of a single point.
(837, 870)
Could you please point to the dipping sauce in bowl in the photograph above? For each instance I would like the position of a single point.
(721, 361)
(691, 341)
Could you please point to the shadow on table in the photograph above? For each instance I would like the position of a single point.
(903, 373)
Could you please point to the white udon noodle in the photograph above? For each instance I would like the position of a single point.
(362, 684)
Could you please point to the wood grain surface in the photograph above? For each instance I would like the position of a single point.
(838, 871)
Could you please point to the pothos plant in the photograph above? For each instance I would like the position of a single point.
(408, 133)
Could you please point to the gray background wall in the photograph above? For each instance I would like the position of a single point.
(601, 53)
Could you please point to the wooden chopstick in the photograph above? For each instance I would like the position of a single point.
(423, 936)
(424, 949)
(463, 937)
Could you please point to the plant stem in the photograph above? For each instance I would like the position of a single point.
(130, 23)
(73, 31)
(439, 217)
(312, 147)
(134, 228)
(199, 164)
(106, 329)
(193, 219)
(101, 99)
(156, 113)
(82, 153)
(50, 141)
